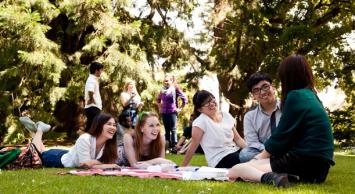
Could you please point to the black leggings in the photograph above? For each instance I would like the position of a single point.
(309, 169)
(229, 160)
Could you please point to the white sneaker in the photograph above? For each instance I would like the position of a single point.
(28, 123)
(42, 126)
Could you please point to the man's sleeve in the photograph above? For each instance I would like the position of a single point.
(250, 133)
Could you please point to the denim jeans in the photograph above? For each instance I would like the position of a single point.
(169, 121)
(248, 153)
(52, 158)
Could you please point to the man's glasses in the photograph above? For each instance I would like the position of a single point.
(264, 88)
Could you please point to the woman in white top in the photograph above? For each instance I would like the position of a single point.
(143, 146)
(131, 101)
(215, 132)
(92, 149)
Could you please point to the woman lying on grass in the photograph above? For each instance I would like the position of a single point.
(143, 146)
(301, 148)
(92, 149)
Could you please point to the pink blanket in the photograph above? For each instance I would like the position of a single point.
(129, 172)
(182, 173)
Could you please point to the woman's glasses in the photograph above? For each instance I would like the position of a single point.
(210, 102)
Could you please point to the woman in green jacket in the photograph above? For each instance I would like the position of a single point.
(301, 149)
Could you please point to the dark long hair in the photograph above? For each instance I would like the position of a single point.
(200, 99)
(109, 154)
(295, 73)
(155, 146)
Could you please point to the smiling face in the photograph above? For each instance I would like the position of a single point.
(109, 129)
(151, 128)
(264, 92)
(209, 107)
(168, 80)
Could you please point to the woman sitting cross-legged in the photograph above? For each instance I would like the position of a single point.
(215, 132)
(96, 148)
(143, 146)
(301, 149)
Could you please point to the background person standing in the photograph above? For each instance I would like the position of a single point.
(131, 101)
(168, 107)
(93, 102)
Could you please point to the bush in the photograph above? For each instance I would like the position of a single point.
(342, 122)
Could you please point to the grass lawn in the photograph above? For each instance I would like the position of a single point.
(341, 179)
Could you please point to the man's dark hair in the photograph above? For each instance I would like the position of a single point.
(95, 66)
(255, 78)
(123, 117)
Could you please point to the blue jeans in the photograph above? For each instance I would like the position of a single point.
(52, 158)
(133, 115)
(248, 153)
(169, 121)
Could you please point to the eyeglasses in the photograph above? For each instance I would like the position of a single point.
(210, 102)
(264, 88)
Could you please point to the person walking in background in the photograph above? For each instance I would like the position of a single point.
(143, 146)
(93, 102)
(260, 122)
(216, 133)
(302, 146)
(169, 108)
(131, 101)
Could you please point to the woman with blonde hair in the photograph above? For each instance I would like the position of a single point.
(143, 146)
(130, 100)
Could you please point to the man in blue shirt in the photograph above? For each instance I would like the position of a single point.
(259, 122)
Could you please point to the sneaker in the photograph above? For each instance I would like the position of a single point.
(279, 180)
(28, 123)
(42, 126)
(282, 181)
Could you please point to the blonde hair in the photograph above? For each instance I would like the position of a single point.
(125, 87)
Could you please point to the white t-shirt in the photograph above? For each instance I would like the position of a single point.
(217, 140)
(136, 99)
(83, 150)
(92, 85)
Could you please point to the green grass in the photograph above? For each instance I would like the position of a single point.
(341, 179)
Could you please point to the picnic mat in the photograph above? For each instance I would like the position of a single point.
(178, 173)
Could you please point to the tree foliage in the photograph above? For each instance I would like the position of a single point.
(252, 36)
(46, 46)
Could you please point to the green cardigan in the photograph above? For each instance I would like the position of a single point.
(304, 128)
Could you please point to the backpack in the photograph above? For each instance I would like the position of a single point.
(29, 157)
(8, 155)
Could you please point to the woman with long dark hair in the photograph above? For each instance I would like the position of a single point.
(301, 149)
(143, 146)
(92, 149)
(215, 132)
